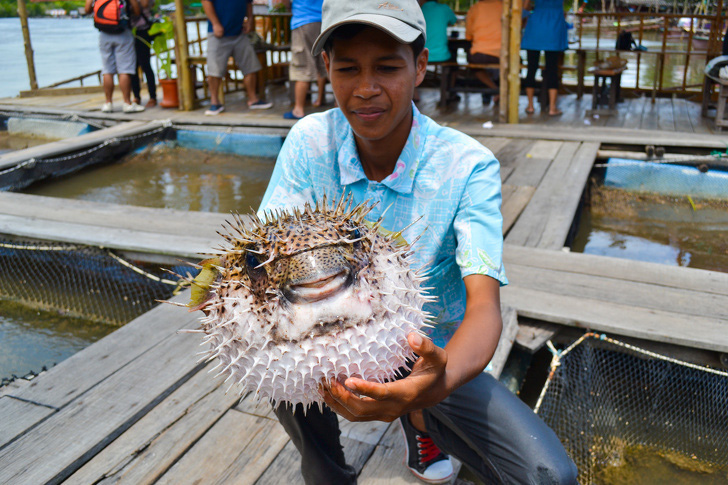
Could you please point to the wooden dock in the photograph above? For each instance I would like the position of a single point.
(136, 407)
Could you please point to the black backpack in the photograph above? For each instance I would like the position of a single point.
(625, 41)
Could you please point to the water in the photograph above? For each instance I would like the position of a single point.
(63, 48)
(656, 229)
(171, 177)
(11, 142)
(32, 339)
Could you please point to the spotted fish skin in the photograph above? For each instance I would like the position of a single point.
(307, 296)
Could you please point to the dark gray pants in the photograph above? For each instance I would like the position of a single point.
(482, 424)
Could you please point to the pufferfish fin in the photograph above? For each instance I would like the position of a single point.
(200, 286)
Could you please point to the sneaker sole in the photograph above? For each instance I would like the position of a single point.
(414, 472)
(261, 107)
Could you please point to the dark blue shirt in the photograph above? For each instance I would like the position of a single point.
(231, 14)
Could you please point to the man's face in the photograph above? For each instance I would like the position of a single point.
(373, 78)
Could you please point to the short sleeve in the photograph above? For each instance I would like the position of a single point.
(290, 184)
(478, 222)
(452, 18)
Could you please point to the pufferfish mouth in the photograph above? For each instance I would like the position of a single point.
(318, 288)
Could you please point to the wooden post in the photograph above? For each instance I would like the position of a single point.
(514, 61)
(23, 13)
(504, 61)
(185, 84)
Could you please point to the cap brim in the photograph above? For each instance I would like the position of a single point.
(398, 29)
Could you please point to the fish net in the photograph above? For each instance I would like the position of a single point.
(603, 397)
(82, 281)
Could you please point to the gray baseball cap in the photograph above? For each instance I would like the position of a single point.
(402, 19)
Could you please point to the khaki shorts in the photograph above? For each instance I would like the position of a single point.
(304, 66)
(219, 50)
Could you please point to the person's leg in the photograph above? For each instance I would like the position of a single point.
(532, 58)
(321, 94)
(144, 60)
(218, 52)
(316, 436)
(300, 90)
(250, 83)
(125, 87)
(109, 87)
(135, 81)
(214, 84)
(497, 436)
(248, 63)
(551, 79)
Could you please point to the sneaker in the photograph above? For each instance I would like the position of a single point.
(214, 109)
(424, 459)
(260, 104)
(133, 108)
(107, 108)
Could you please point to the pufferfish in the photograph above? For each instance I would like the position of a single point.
(307, 296)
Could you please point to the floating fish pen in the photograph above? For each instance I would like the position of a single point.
(18, 133)
(629, 415)
(670, 211)
(173, 168)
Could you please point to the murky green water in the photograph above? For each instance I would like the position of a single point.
(32, 339)
(647, 466)
(167, 176)
(666, 230)
(11, 142)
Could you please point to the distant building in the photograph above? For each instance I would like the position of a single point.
(56, 12)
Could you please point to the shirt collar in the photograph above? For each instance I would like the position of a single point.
(402, 179)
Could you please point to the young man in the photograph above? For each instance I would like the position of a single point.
(378, 147)
(118, 57)
(229, 22)
(305, 68)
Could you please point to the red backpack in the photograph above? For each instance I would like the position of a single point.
(110, 16)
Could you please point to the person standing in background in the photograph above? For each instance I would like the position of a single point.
(438, 18)
(229, 22)
(483, 29)
(305, 68)
(142, 42)
(546, 30)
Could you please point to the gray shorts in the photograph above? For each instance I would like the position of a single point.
(304, 66)
(117, 53)
(219, 50)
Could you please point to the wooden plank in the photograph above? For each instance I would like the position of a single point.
(102, 214)
(529, 171)
(532, 335)
(153, 444)
(617, 318)
(62, 443)
(713, 282)
(546, 221)
(82, 371)
(515, 198)
(493, 143)
(665, 117)
(545, 149)
(146, 242)
(237, 449)
(681, 116)
(18, 416)
(514, 150)
(679, 301)
(508, 335)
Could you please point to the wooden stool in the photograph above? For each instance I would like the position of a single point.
(610, 70)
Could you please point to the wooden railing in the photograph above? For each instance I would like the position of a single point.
(596, 35)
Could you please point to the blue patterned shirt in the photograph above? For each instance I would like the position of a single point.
(444, 180)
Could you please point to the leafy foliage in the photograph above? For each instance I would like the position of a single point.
(162, 33)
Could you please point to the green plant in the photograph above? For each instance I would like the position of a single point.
(162, 33)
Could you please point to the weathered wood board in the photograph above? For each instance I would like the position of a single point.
(17, 416)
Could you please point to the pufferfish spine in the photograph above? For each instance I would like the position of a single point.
(308, 296)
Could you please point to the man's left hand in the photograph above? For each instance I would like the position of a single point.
(372, 401)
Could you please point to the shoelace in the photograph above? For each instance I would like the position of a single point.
(426, 449)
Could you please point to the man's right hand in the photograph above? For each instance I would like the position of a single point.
(218, 30)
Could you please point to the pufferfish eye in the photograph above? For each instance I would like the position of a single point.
(355, 233)
(252, 262)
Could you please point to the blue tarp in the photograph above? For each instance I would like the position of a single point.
(246, 144)
(666, 179)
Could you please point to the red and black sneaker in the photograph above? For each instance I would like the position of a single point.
(424, 458)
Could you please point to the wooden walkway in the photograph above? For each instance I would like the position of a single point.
(136, 408)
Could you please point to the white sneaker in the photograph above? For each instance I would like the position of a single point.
(133, 108)
(107, 108)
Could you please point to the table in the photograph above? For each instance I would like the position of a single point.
(612, 72)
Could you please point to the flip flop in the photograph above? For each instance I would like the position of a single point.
(558, 113)
(530, 111)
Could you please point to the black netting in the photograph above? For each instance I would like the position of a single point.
(78, 280)
(603, 399)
